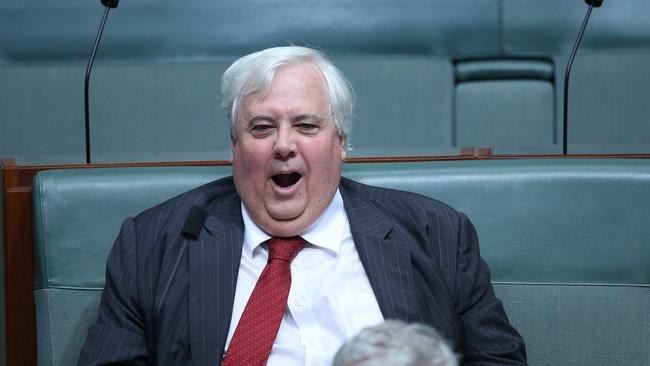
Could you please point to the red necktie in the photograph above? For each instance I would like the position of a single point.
(251, 344)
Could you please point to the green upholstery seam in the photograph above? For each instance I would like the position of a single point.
(49, 326)
(571, 284)
(71, 288)
(42, 235)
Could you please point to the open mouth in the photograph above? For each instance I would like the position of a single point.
(286, 180)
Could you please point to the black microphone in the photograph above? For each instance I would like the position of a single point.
(194, 222)
(113, 3)
(592, 4)
(109, 4)
(595, 3)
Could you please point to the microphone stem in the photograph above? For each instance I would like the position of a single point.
(87, 79)
(566, 80)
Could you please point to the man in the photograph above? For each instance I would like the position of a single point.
(395, 343)
(198, 279)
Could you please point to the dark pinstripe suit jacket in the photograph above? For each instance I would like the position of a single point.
(168, 297)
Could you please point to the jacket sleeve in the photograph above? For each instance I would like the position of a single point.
(487, 336)
(118, 336)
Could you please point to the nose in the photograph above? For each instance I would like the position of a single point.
(285, 145)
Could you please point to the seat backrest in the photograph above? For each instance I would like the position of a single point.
(507, 104)
(77, 215)
(566, 240)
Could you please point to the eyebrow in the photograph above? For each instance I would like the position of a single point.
(298, 118)
(307, 116)
(261, 118)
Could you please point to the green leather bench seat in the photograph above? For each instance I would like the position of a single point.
(566, 240)
(403, 105)
(609, 91)
(77, 215)
(554, 208)
(506, 103)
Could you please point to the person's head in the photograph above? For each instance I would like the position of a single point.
(254, 73)
(290, 115)
(395, 343)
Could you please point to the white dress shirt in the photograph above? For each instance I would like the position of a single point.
(330, 298)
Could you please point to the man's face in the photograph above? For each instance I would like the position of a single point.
(287, 155)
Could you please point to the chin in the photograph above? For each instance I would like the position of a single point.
(287, 225)
(285, 229)
(286, 211)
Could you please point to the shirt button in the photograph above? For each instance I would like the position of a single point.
(297, 303)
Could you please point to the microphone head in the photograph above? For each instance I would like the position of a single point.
(595, 3)
(194, 222)
(110, 3)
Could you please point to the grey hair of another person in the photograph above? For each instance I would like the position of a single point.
(254, 73)
(395, 343)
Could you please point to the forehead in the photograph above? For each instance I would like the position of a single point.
(293, 86)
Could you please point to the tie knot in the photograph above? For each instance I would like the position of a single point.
(285, 249)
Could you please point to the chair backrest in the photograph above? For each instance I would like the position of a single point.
(77, 215)
(566, 240)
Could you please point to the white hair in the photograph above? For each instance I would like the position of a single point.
(254, 73)
(395, 343)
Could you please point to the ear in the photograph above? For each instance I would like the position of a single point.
(344, 150)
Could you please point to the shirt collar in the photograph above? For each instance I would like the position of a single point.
(326, 232)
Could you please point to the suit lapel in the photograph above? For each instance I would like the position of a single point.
(214, 264)
(385, 257)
